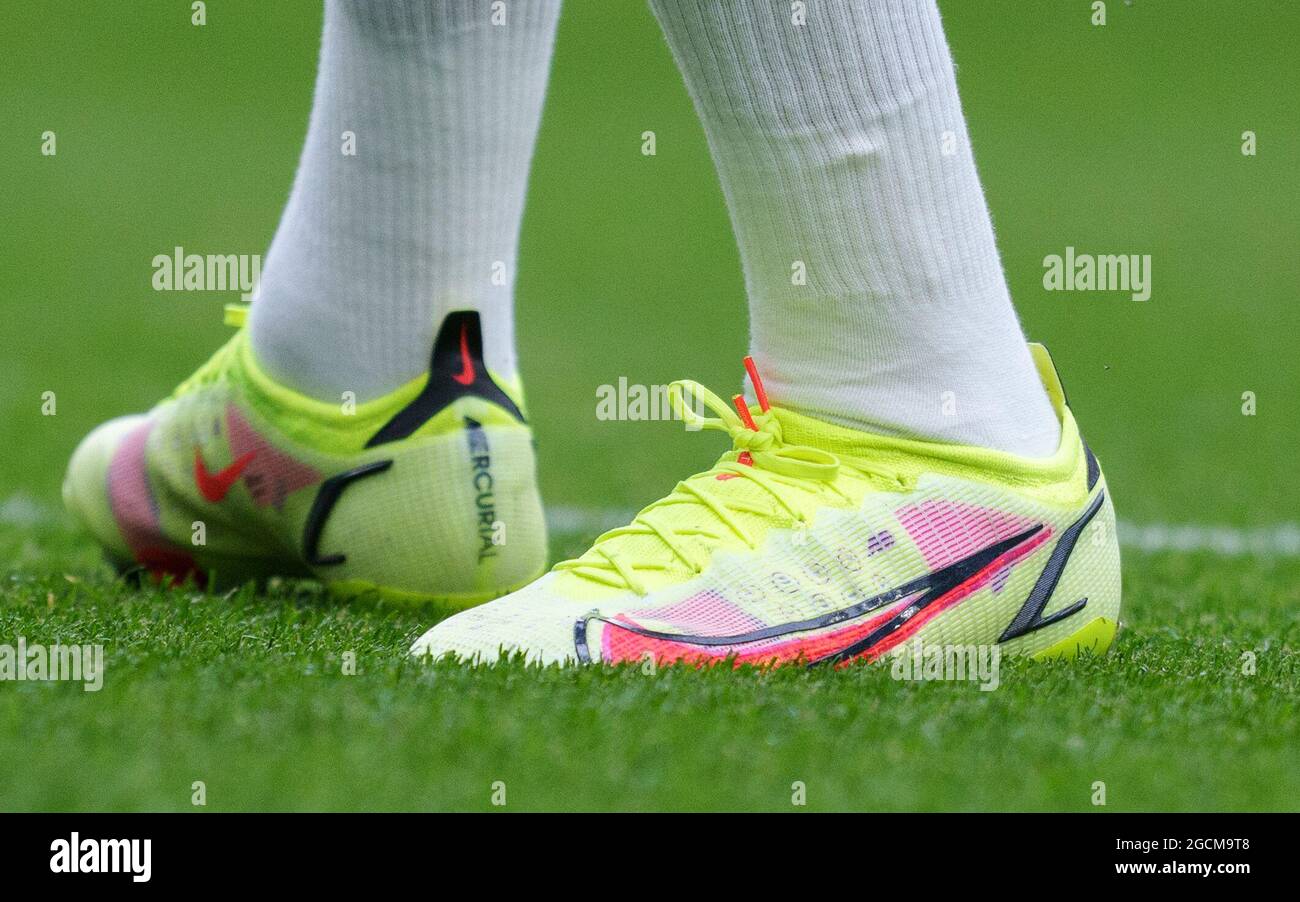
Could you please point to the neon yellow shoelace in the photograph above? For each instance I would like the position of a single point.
(775, 466)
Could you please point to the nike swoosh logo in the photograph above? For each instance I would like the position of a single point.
(456, 370)
(1030, 616)
(215, 486)
(466, 374)
(916, 602)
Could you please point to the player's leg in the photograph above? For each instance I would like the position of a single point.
(912, 470)
(367, 425)
(877, 298)
(409, 195)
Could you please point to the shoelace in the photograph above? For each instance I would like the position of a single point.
(761, 456)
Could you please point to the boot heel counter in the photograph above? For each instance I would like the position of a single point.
(456, 516)
(1092, 575)
(507, 507)
(1100, 567)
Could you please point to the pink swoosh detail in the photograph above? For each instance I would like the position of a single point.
(622, 645)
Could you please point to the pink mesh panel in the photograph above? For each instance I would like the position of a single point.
(129, 493)
(136, 510)
(947, 531)
(272, 475)
(703, 614)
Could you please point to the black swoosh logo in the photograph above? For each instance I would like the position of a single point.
(323, 505)
(928, 589)
(1030, 616)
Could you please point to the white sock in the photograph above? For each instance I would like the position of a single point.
(374, 249)
(830, 140)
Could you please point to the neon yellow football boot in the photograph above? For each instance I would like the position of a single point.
(814, 544)
(428, 493)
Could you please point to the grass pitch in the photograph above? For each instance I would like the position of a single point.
(1123, 138)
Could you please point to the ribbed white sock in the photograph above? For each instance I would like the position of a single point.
(845, 161)
(444, 99)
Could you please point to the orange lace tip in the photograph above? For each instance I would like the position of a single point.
(759, 391)
(743, 409)
(746, 459)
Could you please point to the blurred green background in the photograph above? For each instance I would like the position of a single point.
(1123, 138)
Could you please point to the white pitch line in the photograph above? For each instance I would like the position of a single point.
(22, 509)
(1280, 540)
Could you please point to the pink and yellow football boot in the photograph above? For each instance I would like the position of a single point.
(428, 493)
(812, 544)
